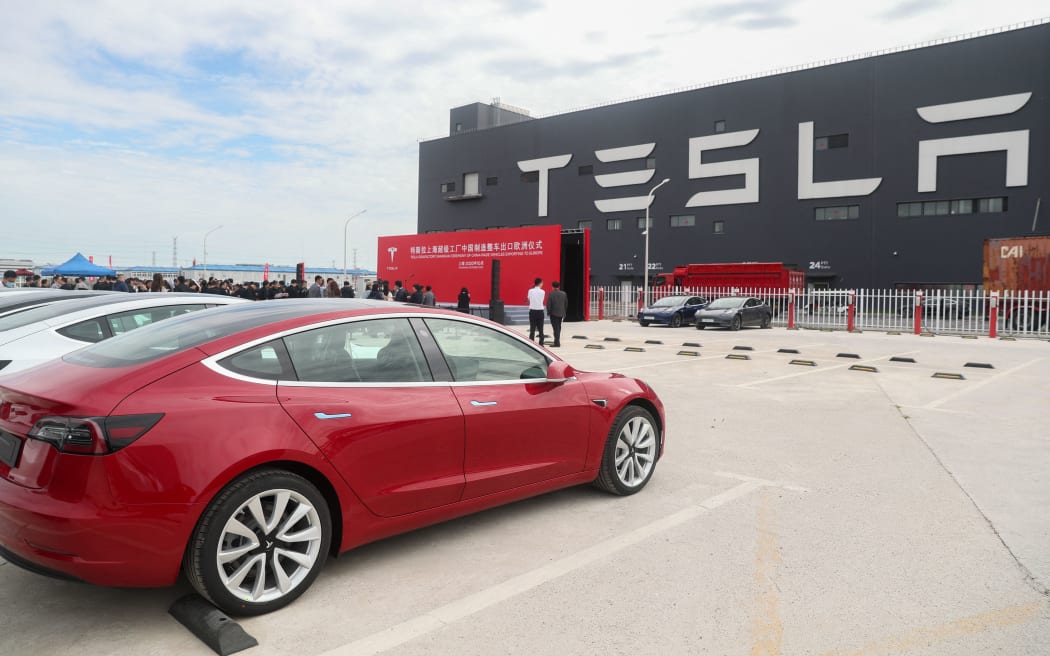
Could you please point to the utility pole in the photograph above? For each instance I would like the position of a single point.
(175, 252)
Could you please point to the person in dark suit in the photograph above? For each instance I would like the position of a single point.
(557, 308)
(463, 301)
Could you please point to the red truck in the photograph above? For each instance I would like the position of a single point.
(1020, 265)
(746, 276)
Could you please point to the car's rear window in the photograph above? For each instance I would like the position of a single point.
(181, 333)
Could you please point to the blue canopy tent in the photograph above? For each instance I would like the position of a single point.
(78, 265)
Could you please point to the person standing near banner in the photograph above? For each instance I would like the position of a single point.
(557, 308)
(536, 307)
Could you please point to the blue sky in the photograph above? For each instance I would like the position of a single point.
(125, 126)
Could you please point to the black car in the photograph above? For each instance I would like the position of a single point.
(674, 311)
(735, 312)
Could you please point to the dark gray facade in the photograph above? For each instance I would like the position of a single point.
(954, 139)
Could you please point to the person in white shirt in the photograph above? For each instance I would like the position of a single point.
(536, 307)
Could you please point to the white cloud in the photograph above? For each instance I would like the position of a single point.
(123, 125)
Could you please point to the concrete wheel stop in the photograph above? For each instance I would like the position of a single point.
(213, 627)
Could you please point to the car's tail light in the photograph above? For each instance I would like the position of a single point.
(92, 435)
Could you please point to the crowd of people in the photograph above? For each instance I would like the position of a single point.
(249, 290)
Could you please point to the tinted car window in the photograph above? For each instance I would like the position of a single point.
(132, 319)
(85, 331)
(52, 310)
(266, 361)
(480, 353)
(725, 303)
(372, 351)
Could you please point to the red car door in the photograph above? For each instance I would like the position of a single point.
(519, 428)
(365, 396)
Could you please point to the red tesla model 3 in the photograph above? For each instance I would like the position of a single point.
(243, 445)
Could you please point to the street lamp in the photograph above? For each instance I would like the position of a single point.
(346, 226)
(645, 286)
(206, 250)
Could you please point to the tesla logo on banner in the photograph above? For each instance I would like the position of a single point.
(1013, 143)
(392, 250)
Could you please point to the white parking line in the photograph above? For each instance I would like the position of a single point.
(975, 386)
(437, 618)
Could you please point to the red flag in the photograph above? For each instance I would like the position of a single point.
(110, 261)
(266, 272)
(194, 261)
(91, 258)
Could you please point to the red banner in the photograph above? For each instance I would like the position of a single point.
(449, 261)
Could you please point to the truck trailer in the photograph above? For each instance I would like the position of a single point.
(743, 275)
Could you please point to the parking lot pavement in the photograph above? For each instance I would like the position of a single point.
(798, 510)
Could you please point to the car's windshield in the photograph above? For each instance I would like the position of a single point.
(726, 303)
(670, 301)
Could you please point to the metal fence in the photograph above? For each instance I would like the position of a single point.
(952, 312)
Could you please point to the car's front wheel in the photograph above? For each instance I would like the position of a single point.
(676, 321)
(699, 325)
(736, 323)
(630, 452)
(644, 324)
(260, 543)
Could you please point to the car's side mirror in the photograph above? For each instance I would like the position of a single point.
(559, 372)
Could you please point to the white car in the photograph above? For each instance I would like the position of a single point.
(44, 333)
(18, 300)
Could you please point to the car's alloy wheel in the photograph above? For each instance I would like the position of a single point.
(260, 544)
(645, 324)
(736, 323)
(630, 453)
(676, 321)
(699, 325)
(766, 320)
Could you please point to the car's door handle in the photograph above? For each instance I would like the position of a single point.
(481, 403)
(325, 415)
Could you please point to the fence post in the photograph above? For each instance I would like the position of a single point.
(918, 312)
(641, 302)
(851, 311)
(993, 316)
(791, 309)
(601, 303)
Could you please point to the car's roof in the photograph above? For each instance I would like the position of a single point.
(225, 327)
(24, 298)
(102, 304)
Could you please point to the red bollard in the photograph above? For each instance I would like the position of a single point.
(641, 301)
(791, 309)
(851, 312)
(918, 312)
(993, 316)
(601, 303)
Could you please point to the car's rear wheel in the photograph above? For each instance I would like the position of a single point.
(630, 453)
(676, 321)
(736, 323)
(260, 543)
(767, 321)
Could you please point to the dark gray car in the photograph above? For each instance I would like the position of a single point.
(735, 312)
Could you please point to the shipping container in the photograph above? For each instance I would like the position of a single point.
(1019, 266)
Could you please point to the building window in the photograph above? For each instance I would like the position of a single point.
(683, 220)
(650, 162)
(459, 127)
(831, 141)
(985, 205)
(613, 224)
(448, 187)
(530, 176)
(838, 213)
(584, 224)
(586, 169)
(720, 126)
(718, 227)
(955, 206)
(491, 182)
(641, 222)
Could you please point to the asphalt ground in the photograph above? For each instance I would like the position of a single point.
(797, 510)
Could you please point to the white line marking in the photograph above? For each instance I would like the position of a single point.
(763, 482)
(433, 620)
(975, 386)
